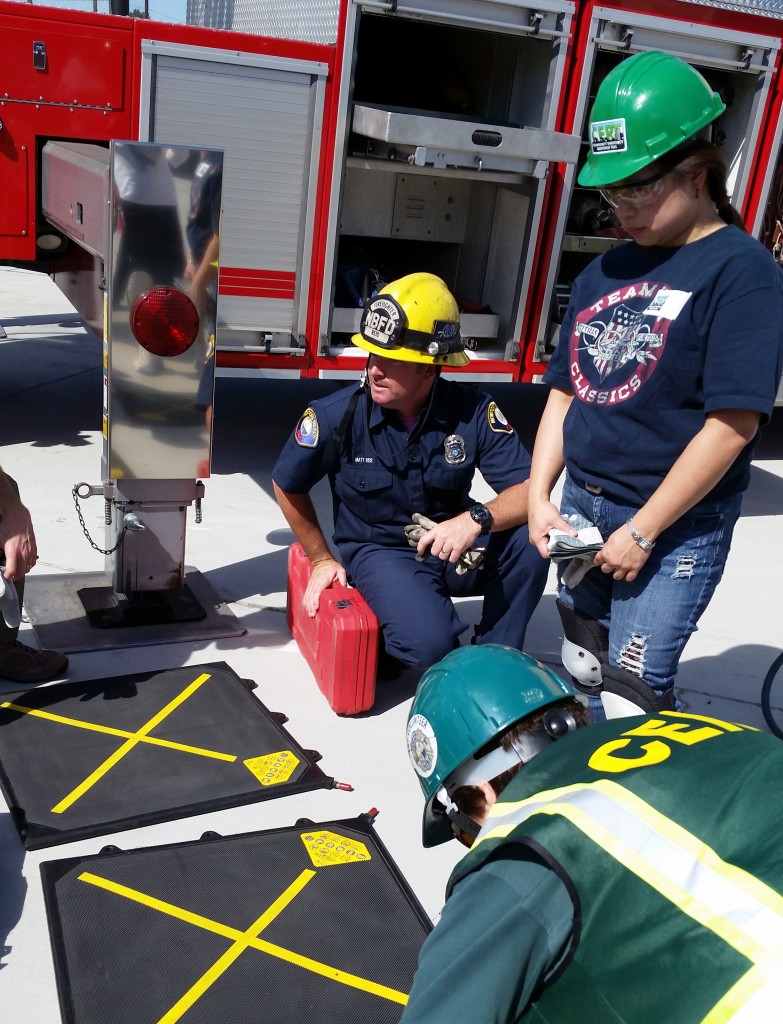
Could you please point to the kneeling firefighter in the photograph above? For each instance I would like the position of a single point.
(612, 873)
(401, 454)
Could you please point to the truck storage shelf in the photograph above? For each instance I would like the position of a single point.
(381, 161)
(346, 320)
(590, 243)
(430, 139)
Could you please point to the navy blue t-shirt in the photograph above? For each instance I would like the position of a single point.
(204, 215)
(380, 474)
(654, 339)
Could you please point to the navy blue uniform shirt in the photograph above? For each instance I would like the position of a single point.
(380, 477)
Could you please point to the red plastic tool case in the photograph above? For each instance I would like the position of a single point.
(340, 644)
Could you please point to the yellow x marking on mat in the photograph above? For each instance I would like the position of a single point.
(249, 939)
(132, 738)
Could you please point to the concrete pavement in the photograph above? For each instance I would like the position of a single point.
(50, 395)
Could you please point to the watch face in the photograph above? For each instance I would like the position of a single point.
(482, 516)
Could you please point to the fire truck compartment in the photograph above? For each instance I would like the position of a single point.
(738, 66)
(75, 192)
(448, 149)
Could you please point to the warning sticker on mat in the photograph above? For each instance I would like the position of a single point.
(272, 769)
(328, 848)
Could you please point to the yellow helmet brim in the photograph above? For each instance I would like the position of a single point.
(410, 355)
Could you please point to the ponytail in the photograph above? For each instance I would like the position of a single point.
(703, 155)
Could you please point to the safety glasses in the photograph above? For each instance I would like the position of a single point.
(462, 836)
(639, 194)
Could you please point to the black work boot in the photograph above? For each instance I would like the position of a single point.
(22, 664)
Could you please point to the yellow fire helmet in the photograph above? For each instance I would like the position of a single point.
(414, 319)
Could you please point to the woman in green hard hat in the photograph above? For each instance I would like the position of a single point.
(668, 362)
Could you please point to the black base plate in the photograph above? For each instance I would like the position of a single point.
(312, 922)
(87, 759)
(107, 610)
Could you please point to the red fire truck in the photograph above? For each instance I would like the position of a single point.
(365, 139)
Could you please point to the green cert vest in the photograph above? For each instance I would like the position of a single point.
(668, 832)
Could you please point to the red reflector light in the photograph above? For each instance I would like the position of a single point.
(164, 321)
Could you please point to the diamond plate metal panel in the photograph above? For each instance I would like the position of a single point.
(311, 21)
(770, 8)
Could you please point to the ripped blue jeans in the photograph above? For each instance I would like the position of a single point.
(651, 619)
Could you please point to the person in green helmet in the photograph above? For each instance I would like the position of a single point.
(668, 363)
(612, 874)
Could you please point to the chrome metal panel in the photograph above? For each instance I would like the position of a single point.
(209, 95)
(155, 423)
(75, 192)
(442, 141)
(150, 517)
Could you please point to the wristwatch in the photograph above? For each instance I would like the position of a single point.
(480, 514)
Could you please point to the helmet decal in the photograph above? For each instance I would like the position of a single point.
(454, 449)
(382, 321)
(608, 136)
(497, 421)
(306, 432)
(447, 330)
(422, 746)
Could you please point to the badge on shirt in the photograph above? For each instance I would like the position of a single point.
(454, 449)
(497, 421)
(306, 432)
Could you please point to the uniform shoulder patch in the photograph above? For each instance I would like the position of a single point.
(497, 421)
(306, 432)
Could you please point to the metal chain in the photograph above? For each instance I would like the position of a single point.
(86, 532)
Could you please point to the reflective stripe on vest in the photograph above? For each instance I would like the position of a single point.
(725, 899)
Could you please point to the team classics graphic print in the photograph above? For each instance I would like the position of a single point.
(617, 343)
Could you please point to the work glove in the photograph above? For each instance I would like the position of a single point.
(415, 530)
(579, 551)
(577, 569)
(9, 602)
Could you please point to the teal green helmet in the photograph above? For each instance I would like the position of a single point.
(645, 107)
(463, 703)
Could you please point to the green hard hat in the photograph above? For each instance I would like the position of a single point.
(645, 107)
(462, 703)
